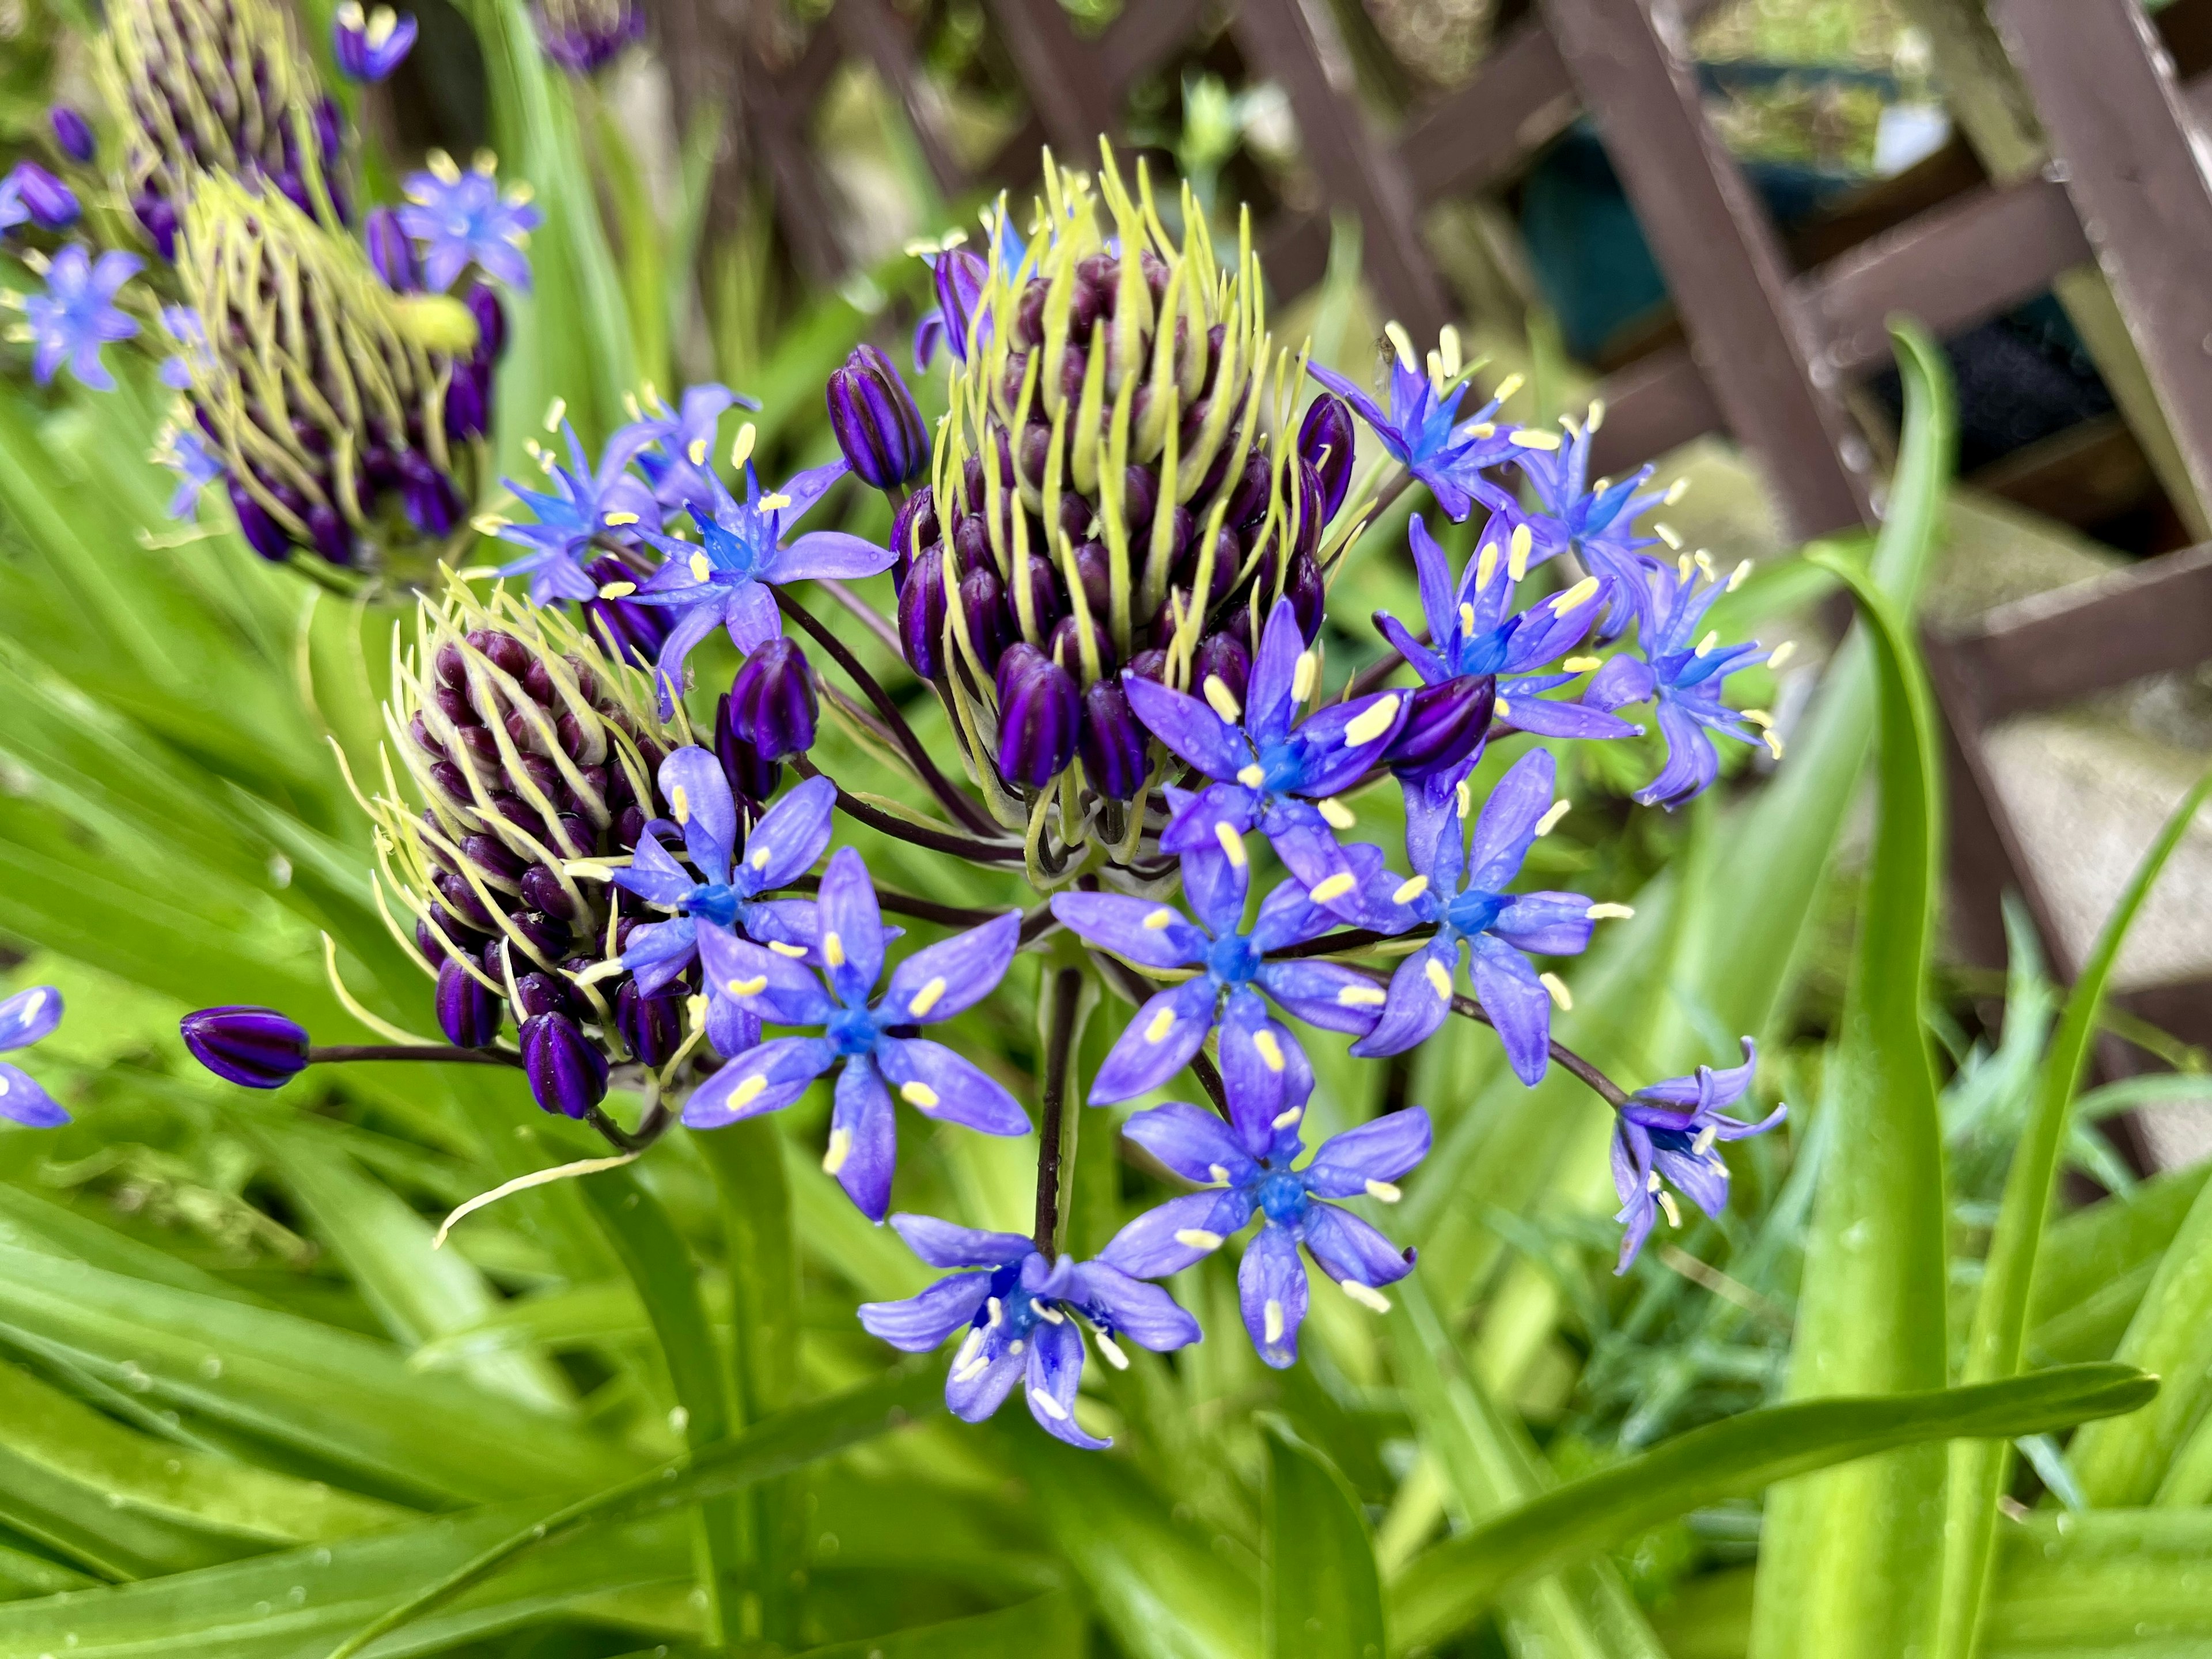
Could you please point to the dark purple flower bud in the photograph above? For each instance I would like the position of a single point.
(913, 527)
(369, 45)
(262, 533)
(1065, 646)
(541, 891)
(159, 220)
(772, 703)
(983, 602)
(922, 616)
(392, 251)
(1046, 604)
(750, 777)
(433, 504)
(51, 204)
(652, 1027)
(1327, 443)
(876, 423)
(468, 1014)
(971, 544)
(1307, 594)
(253, 1048)
(961, 278)
(1111, 744)
(331, 535)
(1219, 657)
(567, 1073)
(1140, 497)
(1248, 505)
(542, 993)
(1444, 725)
(491, 320)
(1094, 569)
(547, 936)
(1149, 665)
(1038, 712)
(72, 132)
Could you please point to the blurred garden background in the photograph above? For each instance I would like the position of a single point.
(249, 1406)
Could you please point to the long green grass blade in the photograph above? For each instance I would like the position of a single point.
(1321, 1599)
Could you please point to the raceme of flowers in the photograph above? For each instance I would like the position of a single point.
(1111, 566)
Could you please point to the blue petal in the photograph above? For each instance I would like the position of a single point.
(1545, 924)
(1257, 1056)
(852, 941)
(769, 987)
(863, 1150)
(1509, 820)
(1325, 993)
(1417, 1003)
(945, 1244)
(660, 951)
(22, 1099)
(1518, 1005)
(1157, 1044)
(1271, 1289)
(29, 1015)
(1187, 726)
(1170, 1237)
(1056, 1371)
(1123, 925)
(1196, 1145)
(1215, 886)
(1382, 1149)
(760, 1079)
(1115, 1303)
(920, 1322)
(948, 977)
(1434, 571)
(654, 875)
(941, 1085)
(1348, 1248)
(1269, 706)
(791, 835)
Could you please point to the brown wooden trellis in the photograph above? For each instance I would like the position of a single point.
(1768, 352)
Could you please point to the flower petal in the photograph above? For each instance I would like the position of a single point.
(1271, 1288)
(1382, 1149)
(1187, 726)
(1269, 706)
(1151, 934)
(974, 1391)
(791, 835)
(941, 1085)
(947, 1244)
(1348, 1248)
(1171, 1236)
(1157, 1044)
(762, 1080)
(659, 951)
(1545, 924)
(1509, 821)
(1056, 1371)
(1325, 993)
(946, 978)
(23, 1099)
(1517, 1004)
(920, 1322)
(698, 796)
(769, 987)
(1122, 1306)
(29, 1015)
(1433, 569)
(1420, 999)
(852, 941)
(1195, 1144)
(822, 553)
(863, 1149)
(1258, 1059)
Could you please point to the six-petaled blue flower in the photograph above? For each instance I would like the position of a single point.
(1423, 428)
(368, 46)
(1270, 775)
(571, 521)
(77, 315)
(458, 219)
(1665, 1135)
(1250, 1168)
(24, 1018)
(1597, 525)
(1018, 1311)
(932, 984)
(674, 447)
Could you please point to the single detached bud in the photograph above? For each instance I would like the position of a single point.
(1444, 725)
(1326, 439)
(369, 45)
(51, 204)
(652, 1027)
(567, 1073)
(876, 423)
(1219, 657)
(253, 1048)
(772, 703)
(392, 251)
(1038, 710)
(72, 132)
(468, 1014)
(1110, 744)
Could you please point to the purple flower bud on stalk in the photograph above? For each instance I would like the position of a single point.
(567, 1073)
(253, 1048)
(772, 701)
(542, 993)
(1444, 725)
(1110, 743)
(158, 218)
(483, 301)
(913, 529)
(921, 614)
(652, 1027)
(392, 251)
(1327, 441)
(983, 602)
(1307, 594)
(468, 1014)
(51, 204)
(1038, 712)
(72, 132)
(369, 45)
(261, 532)
(582, 36)
(876, 423)
(1220, 657)
(750, 778)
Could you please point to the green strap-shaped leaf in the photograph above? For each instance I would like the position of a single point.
(1849, 1560)
(1995, 1346)
(1446, 1588)
(1040, 1629)
(1320, 1598)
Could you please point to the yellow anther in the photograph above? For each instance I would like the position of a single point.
(616, 520)
(1535, 438)
(774, 503)
(1516, 558)
(1269, 1050)
(1283, 1120)
(1610, 912)
(1251, 777)
(1372, 722)
(1331, 888)
(1303, 676)
(679, 803)
(1448, 342)
(1558, 810)
(1507, 386)
(918, 1095)
(554, 411)
(1232, 845)
(1782, 653)
(1157, 1027)
(746, 987)
(833, 950)
(1365, 1295)
(442, 164)
(1402, 343)
(841, 1148)
(1197, 1238)
(1758, 717)
(488, 523)
(1596, 414)
(1583, 665)
(1705, 645)
(1467, 610)
(1271, 1318)
(1704, 561)
(1409, 891)
(1580, 594)
(1556, 988)
(1221, 700)
(1159, 918)
(699, 568)
(926, 999)
(1500, 710)
(741, 446)
(1669, 534)
(1739, 576)
(1361, 996)
(1440, 979)
(1675, 491)
(1335, 814)
(1773, 743)
(1485, 566)
(759, 860)
(695, 451)
(1383, 1192)
(794, 952)
(751, 1090)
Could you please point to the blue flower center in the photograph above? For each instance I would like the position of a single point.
(1485, 653)
(1017, 1308)
(1232, 960)
(851, 1029)
(1673, 1140)
(1472, 912)
(714, 902)
(1283, 1198)
(731, 552)
(1282, 765)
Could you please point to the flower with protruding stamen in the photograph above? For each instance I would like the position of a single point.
(366, 46)
(675, 447)
(856, 1034)
(1018, 1309)
(76, 316)
(585, 512)
(583, 36)
(459, 219)
(1665, 1136)
(1463, 894)
(1232, 965)
(1247, 1166)
(1423, 428)
(24, 1018)
(1268, 773)
(1596, 523)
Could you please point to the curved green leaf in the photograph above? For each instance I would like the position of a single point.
(1048, 1625)
(1995, 1345)
(1848, 1567)
(1444, 1589)
(1320, 1598)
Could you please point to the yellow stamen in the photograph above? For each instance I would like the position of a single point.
(1517, 558)
(751, 1090)
(1580, 594)
(616, 520)
(1402, 343)
(697, 451)
(679, 803)
(1333, 887)
(1705, 645)
(918, 1095)
(926, 999)
(741, 446)
(1365, 1295)
(1335, 814)
(1303, 676)
(1197, 1238)
(1440, 979)
(1533, 438)
(1272, 1320)
(1409, 891)
(795, 952)
(1558, 810)
(746, 987)
(1361, 996)
(1251, 777)
(1160, 918)
(1667, 534)
(1557, 990)
(1485, 566)
(1373, 721)
(1782, 653)
(1221, 700)
(841, 1148)
(1583, 665)
(1383, 1192)
(1157, 1027)
(833, 950)
(1269, 1050)
(1596, 414)
(1739, 576)
(1507, 386)
(1610, 912)
(699, 568)
(554, 411)
(1232, 845)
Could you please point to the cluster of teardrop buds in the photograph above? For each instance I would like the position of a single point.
(217, 87)
(529, 750)
(346, 418)
(1116, 490)
(584, 36)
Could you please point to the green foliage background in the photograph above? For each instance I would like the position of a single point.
(248, 1411)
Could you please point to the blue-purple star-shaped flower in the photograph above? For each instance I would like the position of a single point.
(1269, 773)
(725, 579)
(24, 1018)
(1422, 428)
(368, 46)
(77, 315)
(458, 219)
(1665, 1135)
(932, 985)
(1018, 1310)
(674, 447)
(1232, 968)
(1597, 525)
(1249, 1168)
(185, 452)
(571, 522)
